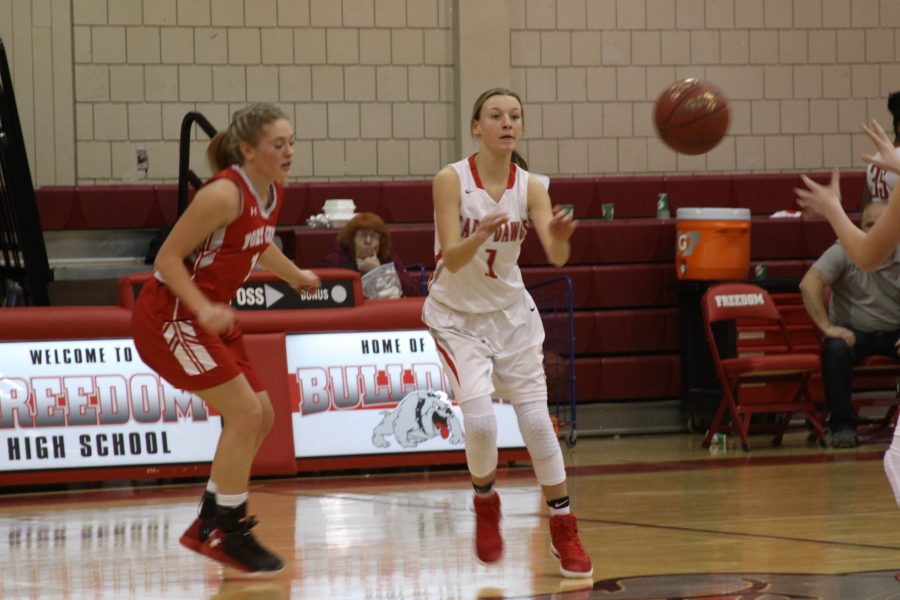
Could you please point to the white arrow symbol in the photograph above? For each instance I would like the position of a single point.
(272, 295)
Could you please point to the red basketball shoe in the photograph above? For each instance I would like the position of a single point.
(488, 541)
(565, 545)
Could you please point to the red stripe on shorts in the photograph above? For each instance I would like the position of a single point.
(448, 360)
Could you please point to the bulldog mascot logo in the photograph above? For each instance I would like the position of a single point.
(419, 417)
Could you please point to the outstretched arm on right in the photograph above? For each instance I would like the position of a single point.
(868, 251)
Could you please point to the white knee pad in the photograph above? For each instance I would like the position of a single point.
(892, 467)
(480, 424)
(540, 439)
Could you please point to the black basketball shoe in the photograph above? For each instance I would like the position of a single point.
(195, 535)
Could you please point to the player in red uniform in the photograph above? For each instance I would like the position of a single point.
(185, 329)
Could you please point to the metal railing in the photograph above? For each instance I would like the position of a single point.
(186, 176)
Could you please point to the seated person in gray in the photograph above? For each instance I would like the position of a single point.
(863, 319)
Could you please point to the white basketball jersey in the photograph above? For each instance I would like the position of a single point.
(491, 280)
(881, 183)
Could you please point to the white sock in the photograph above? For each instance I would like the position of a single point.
(892, 467)
(211, 487)
(231, 500)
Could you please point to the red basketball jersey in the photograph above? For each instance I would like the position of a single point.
(226, 258)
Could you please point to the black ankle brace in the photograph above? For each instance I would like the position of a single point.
(483, 489)
(208, 505)
(230, 517)
(558, 502)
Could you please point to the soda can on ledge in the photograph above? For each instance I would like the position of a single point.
(609, 211)
(662, 207)
(760, 271)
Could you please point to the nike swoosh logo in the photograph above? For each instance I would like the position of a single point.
(532, 309)
(468, 191)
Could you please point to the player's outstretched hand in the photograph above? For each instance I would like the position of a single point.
(562, 224)
(489, 224)
(820, 200)
(307, 281)
(887, 157)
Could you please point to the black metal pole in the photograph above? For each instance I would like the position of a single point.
(14, 159)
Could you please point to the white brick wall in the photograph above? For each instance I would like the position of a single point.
(801, 74)
(372, 86)
(360, 77)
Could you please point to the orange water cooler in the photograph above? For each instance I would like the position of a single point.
(712, 243)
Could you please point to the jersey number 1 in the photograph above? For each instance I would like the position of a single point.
(492, 256)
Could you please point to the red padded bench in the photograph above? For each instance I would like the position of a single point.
(634, 197)
(409, 201)
(699, 191)
(107, 207)
(625, 377)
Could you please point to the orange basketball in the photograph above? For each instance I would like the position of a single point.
(691, 116)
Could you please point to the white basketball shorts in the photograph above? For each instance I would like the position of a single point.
(497, 354)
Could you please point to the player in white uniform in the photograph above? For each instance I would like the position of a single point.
(487, 329)
(880, 182)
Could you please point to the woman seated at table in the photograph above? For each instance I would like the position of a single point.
(364, 244)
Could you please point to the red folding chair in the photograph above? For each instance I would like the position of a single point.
(774, 364)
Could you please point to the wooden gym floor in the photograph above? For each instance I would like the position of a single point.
(661, 517)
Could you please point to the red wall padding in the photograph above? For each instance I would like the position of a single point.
(64, 322)
(276, 454)
(407, 202)
(296, 207)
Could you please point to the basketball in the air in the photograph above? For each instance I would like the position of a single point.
(691, 116)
